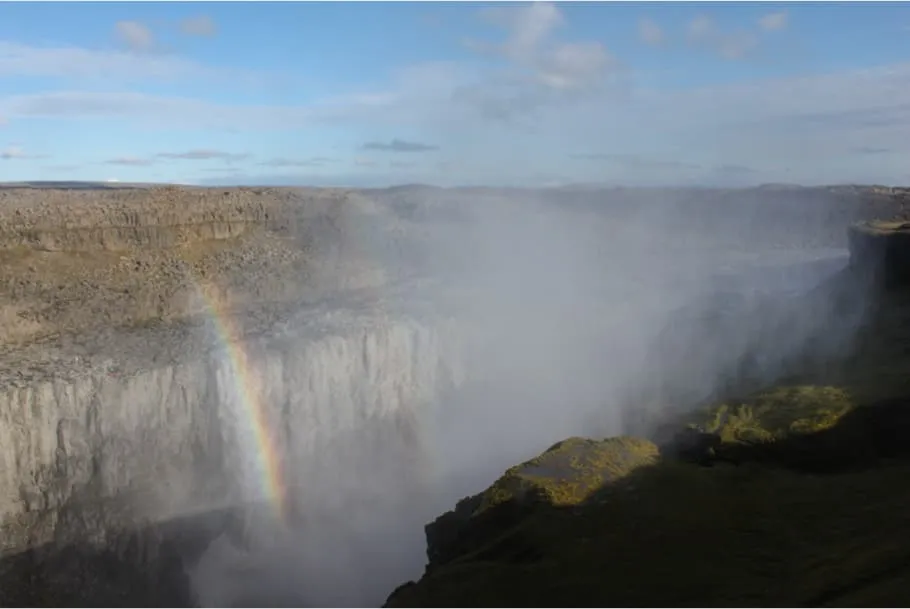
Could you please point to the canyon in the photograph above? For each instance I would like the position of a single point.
(260, 396)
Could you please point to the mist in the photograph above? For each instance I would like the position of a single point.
(574, 316)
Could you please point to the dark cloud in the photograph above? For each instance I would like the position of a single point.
(871, 150)
(634, 161)
(130, 161)
(203, 155)
(397, 145)
(317, 161)
(734, 169)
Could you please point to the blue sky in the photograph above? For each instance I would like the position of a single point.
(378, 93)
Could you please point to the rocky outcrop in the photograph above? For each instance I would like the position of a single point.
(567, 474)
(767, 529)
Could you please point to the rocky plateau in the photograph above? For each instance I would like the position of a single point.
(184, 369)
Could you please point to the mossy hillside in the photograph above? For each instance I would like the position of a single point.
(566, 474)
(569, 471)
(676, 534)
(660, 531)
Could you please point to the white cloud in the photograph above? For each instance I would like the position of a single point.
(202, 25)
(530, 48)
(766, 125)
(12, 152)
(702, 32)
(773, 22)
(650, 32)
(700, 28)
(162, 110)
(134, 35)
(15, 152)
(78, 63)
(540, 99)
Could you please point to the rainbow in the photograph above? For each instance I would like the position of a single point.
(263, 441)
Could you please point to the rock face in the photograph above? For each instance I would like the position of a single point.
(882, 250)
(93, 459)
(181, 365)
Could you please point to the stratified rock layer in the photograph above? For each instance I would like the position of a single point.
(77, 260)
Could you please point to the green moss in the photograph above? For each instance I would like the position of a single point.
(568, 472)
(682, 535)
(776, 414)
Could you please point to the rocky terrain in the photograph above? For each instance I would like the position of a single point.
(164, 351)
(83, 259)
(147, 332)
(783, 495)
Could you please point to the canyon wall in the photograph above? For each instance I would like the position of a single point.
(234, 397)
(192, 374)
(87, 462)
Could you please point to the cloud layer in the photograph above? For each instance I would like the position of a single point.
(526, 98)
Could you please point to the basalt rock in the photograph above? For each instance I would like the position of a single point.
(163, 351)
(881, 251)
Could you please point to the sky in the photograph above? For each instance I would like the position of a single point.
(466, 93)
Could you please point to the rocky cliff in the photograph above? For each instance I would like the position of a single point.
(882, 249)
(198, 385)
(179, 364)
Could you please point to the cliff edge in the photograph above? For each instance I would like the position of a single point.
(882, 248)
(794, 497)
(77, 260)
(791, 495)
